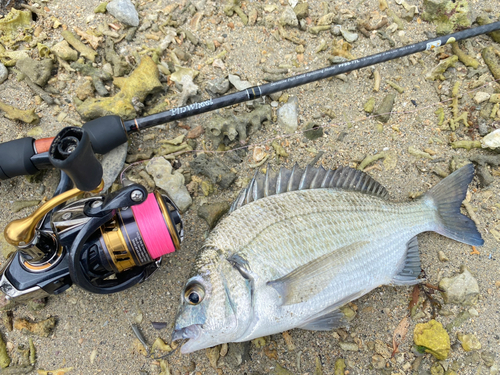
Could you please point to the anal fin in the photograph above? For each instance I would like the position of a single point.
(411, 269)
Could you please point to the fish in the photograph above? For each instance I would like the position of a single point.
(299, 244)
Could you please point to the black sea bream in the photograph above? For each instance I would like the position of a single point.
(299, 245)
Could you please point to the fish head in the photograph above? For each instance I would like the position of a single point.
(215, 308)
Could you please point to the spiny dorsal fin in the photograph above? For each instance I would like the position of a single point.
(311, 178)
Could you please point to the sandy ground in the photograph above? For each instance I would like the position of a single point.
(98, 326)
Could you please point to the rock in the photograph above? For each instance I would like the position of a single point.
(349, 36)
(491, 140)
(112, 164)
(313, 131)
(238, 83)
(38, 71)
(189, 89)
(22, 204)
(382, 349)
(212, 213)
(85, 90)
(221, 129)
(213, 355)
(433, 338)
(4, 356)
(301, 10)
(348, 346)
(469, 342)
(42, 328)
(488, 358)
(28, 116)
(4, 73)
(325, 20)
(288, 17)
(336, 30)
(14, 21)
(339, 366)
(442, 256)
(288, 115)
(481, 97)
(214, 169)
(369, 105)
(494, 369)
(437, 369)
(143, 81)
(461, 289)
(238, 353)
(279, 370)
(378, 362)
(124, 11)
(383, 112)
(64, 51)
(218, 86)
(448, 15)
(169, 180)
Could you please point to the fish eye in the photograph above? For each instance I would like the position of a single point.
(194, 294)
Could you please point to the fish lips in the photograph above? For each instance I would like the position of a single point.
(191, 333)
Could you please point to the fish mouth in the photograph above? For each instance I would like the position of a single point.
(191, 333)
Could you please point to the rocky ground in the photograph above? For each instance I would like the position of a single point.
(182, 52)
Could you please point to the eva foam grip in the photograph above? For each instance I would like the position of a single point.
(15, 158)
(106, 133)
(71, 152)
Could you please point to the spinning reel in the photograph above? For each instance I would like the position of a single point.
(104, 244)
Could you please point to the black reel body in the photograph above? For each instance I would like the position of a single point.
(95, 243)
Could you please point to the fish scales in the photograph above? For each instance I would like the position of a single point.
(291, 259)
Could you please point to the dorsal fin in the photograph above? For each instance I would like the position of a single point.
(311, 178)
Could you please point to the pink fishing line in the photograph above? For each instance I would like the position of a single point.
(153, 228)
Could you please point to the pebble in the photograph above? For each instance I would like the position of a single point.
(218, 86)
(238, 83)
(433, 337)
(313, 131)
(491, 140)
(336, 30)
(4, 73)
(288, 17)
(382, 349)
(488, 358)
(481, 97)
(349, 36)
(124, 11)
(171, 181)
(38, 71)
(460, 289)
(473, 312)
(469, 342)
(442, 256)
(378, 362)
(348, 346)
(288, 115)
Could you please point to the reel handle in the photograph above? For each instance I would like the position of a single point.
(26, 156)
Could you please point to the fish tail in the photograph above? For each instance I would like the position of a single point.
(447, 197)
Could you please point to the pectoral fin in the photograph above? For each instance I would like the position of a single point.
(311, 278)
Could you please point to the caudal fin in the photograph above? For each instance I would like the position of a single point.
(448, 196)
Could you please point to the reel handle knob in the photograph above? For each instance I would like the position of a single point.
(71, 151)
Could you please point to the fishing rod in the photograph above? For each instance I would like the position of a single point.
(26, 156)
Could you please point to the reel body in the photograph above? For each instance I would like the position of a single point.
(103, 244)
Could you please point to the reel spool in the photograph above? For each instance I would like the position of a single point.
(140, 235)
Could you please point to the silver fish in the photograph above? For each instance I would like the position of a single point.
(299, 245)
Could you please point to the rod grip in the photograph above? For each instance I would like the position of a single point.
(15, 158)
(106, 133)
